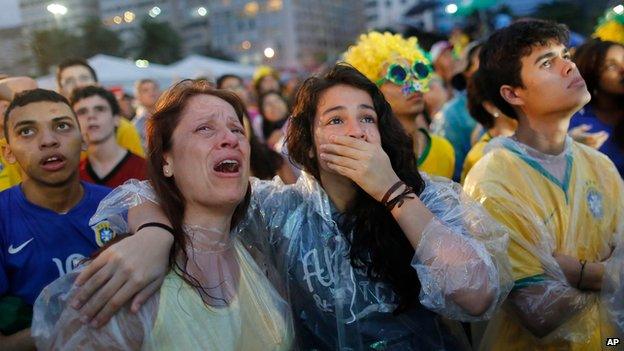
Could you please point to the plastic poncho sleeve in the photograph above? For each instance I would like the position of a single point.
(57, 326)
(272, 207)
(542, 295)
(612, 293)
(114, 207)
(458, 248)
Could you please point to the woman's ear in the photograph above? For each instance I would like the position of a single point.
(491, 109)
(167, 165)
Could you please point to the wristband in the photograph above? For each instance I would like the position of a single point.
(399, 199)
(157, 225)
(392, 189)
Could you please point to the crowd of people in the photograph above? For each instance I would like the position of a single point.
(460, 198)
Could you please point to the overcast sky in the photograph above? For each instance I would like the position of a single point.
(9, 13)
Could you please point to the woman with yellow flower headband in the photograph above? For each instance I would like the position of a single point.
(402, 71)
(266, 79)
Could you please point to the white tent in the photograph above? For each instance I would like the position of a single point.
(116, 71)
(195, 66)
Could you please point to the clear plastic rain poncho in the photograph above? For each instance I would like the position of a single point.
(569, 204)
(336, 306)
(229, 305)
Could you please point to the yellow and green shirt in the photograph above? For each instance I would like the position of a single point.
(438, 156)
(578, 216)
(474, 155)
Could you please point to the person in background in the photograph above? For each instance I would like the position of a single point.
(77, 73)
(444, 63)
(275, 112)
(266, 79)
(236, 84)
(126, 108)
(291, 87)
(601, 64)
(454, 121)
(401, 70)
(490, 117)
(147, 92)
(436, 97)
(107, 163)
(10, 173)
(44, 221)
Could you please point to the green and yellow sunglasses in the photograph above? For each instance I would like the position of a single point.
(400, 74)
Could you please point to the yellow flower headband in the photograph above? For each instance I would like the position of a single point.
(384, 57)
(611, 27)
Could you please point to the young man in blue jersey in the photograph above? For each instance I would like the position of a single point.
(44, 221)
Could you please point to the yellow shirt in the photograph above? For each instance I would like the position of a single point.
(10, 174)
(127, 137)
(257, 319)
(577, 216)
(438, 156)
(474, 155)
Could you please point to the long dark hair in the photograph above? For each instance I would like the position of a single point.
(160, 129)
(589, 59)
(265, 163)
(378, 245)
(476, 97)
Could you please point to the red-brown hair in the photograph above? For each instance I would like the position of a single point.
(160, 127)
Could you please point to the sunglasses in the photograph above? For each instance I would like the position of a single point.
(400, 74)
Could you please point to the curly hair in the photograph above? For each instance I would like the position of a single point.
(378, 245)
(590, 58)
(375, 49)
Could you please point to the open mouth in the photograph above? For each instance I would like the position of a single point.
(53, 163)
(227, 166)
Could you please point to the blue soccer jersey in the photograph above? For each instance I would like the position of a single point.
(38, 245)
